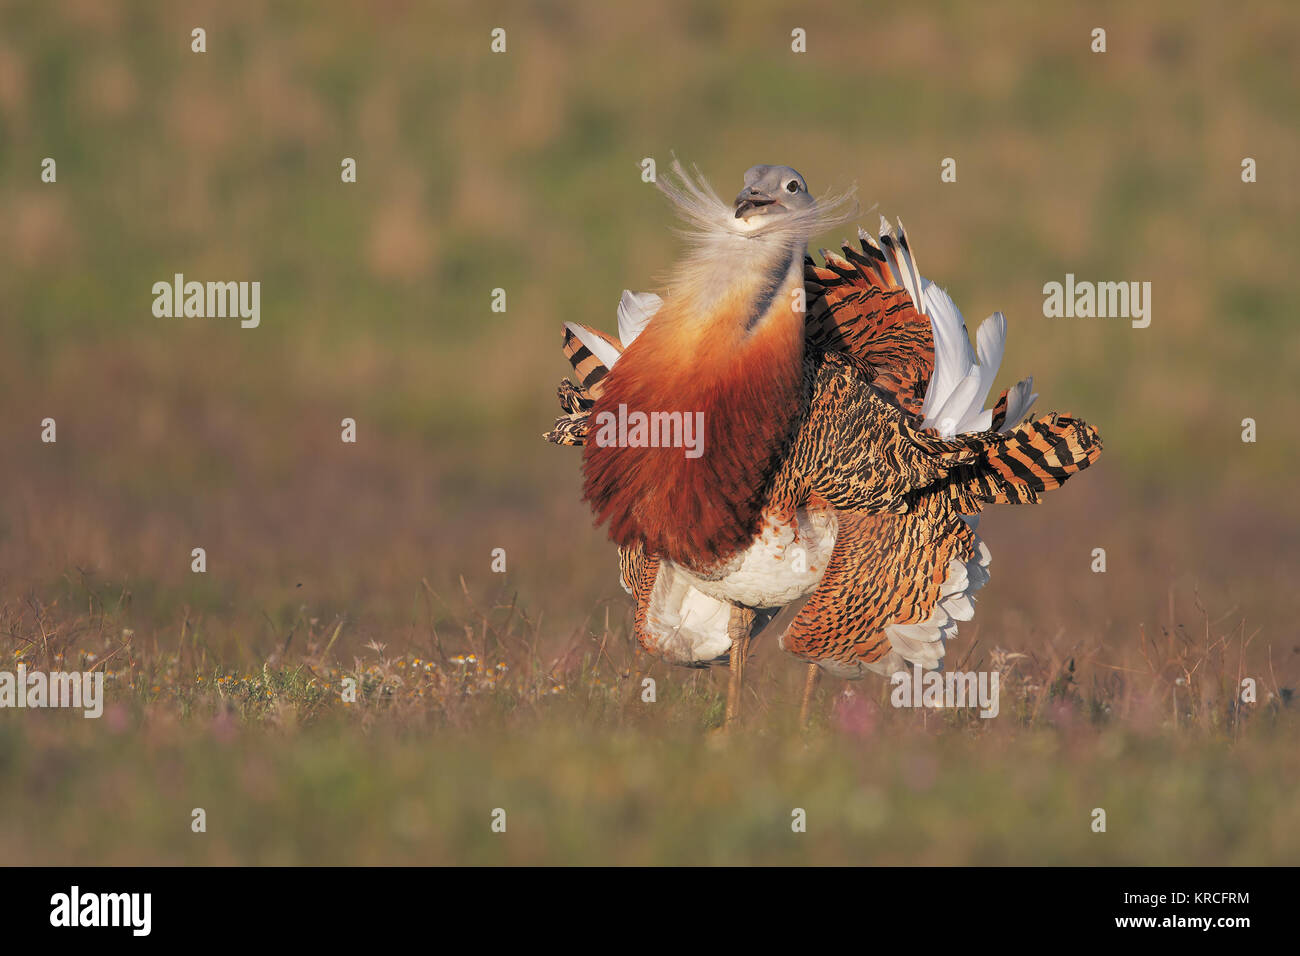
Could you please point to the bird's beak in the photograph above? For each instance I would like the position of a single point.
(751, 199)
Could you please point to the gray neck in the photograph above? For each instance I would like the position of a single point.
(784, 257)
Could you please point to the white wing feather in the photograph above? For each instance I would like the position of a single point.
(963, 377)
(635, 310)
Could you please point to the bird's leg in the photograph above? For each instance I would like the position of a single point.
(738, 628)
(809, 685)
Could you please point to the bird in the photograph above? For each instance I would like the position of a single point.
(843, 453)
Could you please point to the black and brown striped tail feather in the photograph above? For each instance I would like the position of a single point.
(574, 398)
(591, 371)
(857, 305)
(577, 398)
(1017, 467)
(571, 427)
(568, 430)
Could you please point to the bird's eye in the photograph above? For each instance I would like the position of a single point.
(792, 185)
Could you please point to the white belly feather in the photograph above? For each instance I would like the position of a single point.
(688, 615)
(786, 562)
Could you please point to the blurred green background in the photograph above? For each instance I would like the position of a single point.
(521, 171)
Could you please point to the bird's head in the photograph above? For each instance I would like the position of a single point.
(774, 209)
(770, 192)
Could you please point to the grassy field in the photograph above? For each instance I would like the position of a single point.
(519, 691)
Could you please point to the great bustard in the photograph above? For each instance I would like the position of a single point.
(844, 451)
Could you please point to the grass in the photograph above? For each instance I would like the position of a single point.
(477, 715)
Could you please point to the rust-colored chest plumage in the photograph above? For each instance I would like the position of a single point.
(731, 371)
